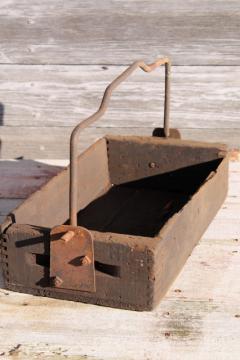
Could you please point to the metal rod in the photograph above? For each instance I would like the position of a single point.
(73, 190)
(167, 98)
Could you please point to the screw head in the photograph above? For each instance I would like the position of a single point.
(86, 261)
(68, 236)
(152, 165)
(57, 281)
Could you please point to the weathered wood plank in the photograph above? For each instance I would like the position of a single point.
(2, 219)
(53, 143)
(108, 32)
(230, 211)
(19, 179)
(7, 205)
(222, 229)
(201, 97)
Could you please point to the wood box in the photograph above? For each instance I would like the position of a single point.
(145, 200)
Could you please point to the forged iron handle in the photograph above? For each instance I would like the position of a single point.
(73, 190)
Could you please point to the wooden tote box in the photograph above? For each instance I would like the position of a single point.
(138, 206)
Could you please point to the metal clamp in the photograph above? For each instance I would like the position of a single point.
(73, 191)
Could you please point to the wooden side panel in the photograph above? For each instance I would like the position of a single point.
(181, 234)
(49, 205)
(26, 255)
(132, 158)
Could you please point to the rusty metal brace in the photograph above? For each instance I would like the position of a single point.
(73, 191)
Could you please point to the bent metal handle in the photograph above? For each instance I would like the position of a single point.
(73, 191)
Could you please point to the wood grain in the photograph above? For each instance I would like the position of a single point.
(7, 205)
(41, 104)
(119, 32)
(19, 179)
(201, 97)
(53, 143)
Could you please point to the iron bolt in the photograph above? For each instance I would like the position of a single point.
(85, 260)
(57, 281)
(152, 165)
(68, 236)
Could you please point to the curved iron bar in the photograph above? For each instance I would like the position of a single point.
(73, 191)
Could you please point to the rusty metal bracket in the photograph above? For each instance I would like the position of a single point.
(73, 191)
(72, 258)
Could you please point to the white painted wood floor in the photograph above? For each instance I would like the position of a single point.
(198, 319)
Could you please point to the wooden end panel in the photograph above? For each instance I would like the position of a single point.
(182, 232)
(135, 157)
(27, 248)
(49, 205)
(123, 267)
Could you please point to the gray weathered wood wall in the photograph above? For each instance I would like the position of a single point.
(56, 58)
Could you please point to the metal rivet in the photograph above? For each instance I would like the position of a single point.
(68, 236)
(152, 165)
(86, 260)
(57, 281)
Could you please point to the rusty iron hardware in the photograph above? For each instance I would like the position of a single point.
(75, 239)
(73, 191)
(72, 258)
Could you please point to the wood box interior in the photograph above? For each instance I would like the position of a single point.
(143, 206)
(127, 185)
(161, 183)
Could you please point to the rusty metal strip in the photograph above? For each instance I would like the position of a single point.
(73, 196)
(72, 258)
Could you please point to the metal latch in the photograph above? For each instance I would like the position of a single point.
(72, 258)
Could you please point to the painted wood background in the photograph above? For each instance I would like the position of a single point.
(56, 58)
